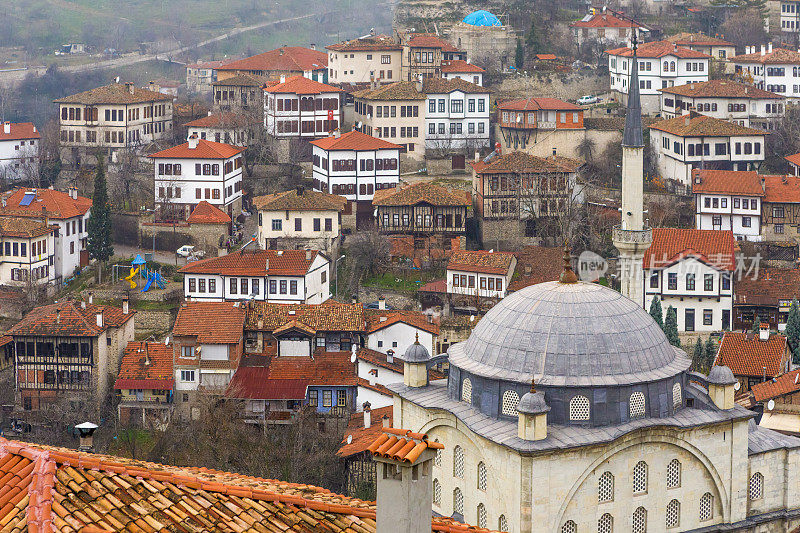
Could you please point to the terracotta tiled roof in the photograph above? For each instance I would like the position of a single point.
(536, 104)
(354, 140)
(480, 261)
(255, 263)
(303, 200)
(69, 319)
(778, 55)
(781, 189)
(219, 120)
(793, 159)
(253, 383)
(302, 85)
(659, 49)
(146, 365)
(285, 58)
(769, 287)
(699, 39)
(523, 162)
(329, 316)
(52, 489)
(746, 355)
(374, 42)
(379, 359)
(26, 228)
(696, 125)
(543, 263)
(295, 324)
(402, 445)
(429, 40)
(116, 93)
(19, 131)
(205, 150)
(326, 368)
(420, 192)
(606, 20)
(459, 65)
(720, 89)
(448, 85)
(440, 286)
(741, 182)
(360, 437)
(378, 319)
(399, 90)
(58, 204)
(242, 80)
(670, 245)
(207, 64)
(211, 322)
(775, 387)
(205, 213)
(375, 387)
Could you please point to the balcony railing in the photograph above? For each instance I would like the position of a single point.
(631, 236)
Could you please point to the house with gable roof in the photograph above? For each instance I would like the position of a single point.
(754, 357)
(224, 127)
(729, 200)
(477, 275)
(767, 296)
(780, 211)
(540, 126)
(300, 108)
(794, 164)
(146, 384)
(284, 61)
(367, 58)
(19, 150)
(424, 55)
(458, 68)
(717, 48)
(775, 70)
(607, 27)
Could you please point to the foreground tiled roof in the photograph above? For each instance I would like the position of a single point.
(402, 445)
(480, 261)
(448, 85)
(720, 89)
(699, 39)
(659, 49)
(285, 58)
(19, 131)
(422, 192)
(53, 489)
(769, 287)
(357, 438)
(429, 40)
(69, 319)
(696, 125)
(205, 213)
(670, 245)
(536, 104)
(300, 200)
(329, 316)
(366, 44)
(778, 55)
(399, 90)
(255, 263)
(211, 322)
(302, 85)
(205, 150)
(325, 368)
(146, 365)
(57, 204)
(354, 140)
(26, 228)
(746, 355)
(775, 387)
(116, 93)
(793, 159)
(740, 182)
(543, 263)
(459, 65)
(219, 120)
(378, 319)
(781, 189)
(606, 20)
(523, 162)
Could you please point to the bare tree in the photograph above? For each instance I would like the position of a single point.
(783, 140)
(368, 252)
(744, 27)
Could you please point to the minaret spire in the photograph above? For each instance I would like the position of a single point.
(633, 135)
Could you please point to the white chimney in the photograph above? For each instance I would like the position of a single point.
(83, 304)
(382, 303)
(769, 47)
(193, 140)
(763, 50)
(313, 46)
(390, 357)
(6, 127)
(477, 155)
(125, 305)
(418, 84)
(763, 332)
(367, 415)
(100, 319)
(91, 297)
(387, 422)
(283, 78)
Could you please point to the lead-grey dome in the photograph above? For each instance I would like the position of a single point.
(721, 375)
(416, 353)
(568, 334)
(533, 403)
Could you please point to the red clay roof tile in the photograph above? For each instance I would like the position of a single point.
(657, 49)
(746, 355)
(714, 247)
(481, 261)
(205, 213)
(328, 316)
(459, 66)
(204, 150)
(775, 387)
(696, 125)
(115, 93)
(781, 189)
(69, 319)
(740, 182)
(301, 85)
(360, 437)
(300, 200)
(285, 58)
(777, 56)
(354, 140)
(422, 192)
(211, 322)
(606, 20)
(720, 89)
(19, 131)
(146, 365)
(58, 204)
(378, 319)
(536, 104)
(365, 44)
(793, 159)
(255, 263)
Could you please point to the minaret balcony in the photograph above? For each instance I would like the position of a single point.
(632, 236)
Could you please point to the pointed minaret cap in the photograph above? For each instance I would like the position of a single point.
(633, 135)
(568, 275)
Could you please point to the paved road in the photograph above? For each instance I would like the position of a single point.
(161, 256)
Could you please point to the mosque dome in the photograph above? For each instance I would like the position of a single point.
(481, 18)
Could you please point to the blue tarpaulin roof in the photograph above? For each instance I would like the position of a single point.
(482, 18)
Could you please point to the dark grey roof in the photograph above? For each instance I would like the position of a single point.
(416, 353)
(532, 403)
(760, 440)
(632, 135)
(505, 432)
(578, 334)
(721, 375)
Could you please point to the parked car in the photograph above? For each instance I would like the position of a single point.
(188, 250)
(588, 99)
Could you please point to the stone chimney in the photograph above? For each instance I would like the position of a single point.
(125, 305)
(6, 127)
(100, 319)
(763, 332)
(367, 415)
(300, 190)
(309, 255)
(387, 422)
(86, 431)
(129, 85)
(720, 386)
(382, 303)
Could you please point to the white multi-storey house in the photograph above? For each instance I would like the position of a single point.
(458, 68)
(662, 64)
(19, 151)
(197, 170)
(224, 127)
(301, 108)
(355, 165)
(606, 27)
(776, 70)
(728, 200)
(794, 164)
(457, 116)
(719, 49)
(480, 274)
(692, 141)
(372, 57)
(790, 16)
(66, 210)
(112, 118)
(724, 99)
(277, 276)
(28, 252)
(691, 270)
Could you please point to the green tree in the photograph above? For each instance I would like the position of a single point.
(671, 327)
(757, 325)
(99, 223)
(698, 357)
(793, 331)
(519, 56)
(532, 39)
(656, 312)
(710, 352)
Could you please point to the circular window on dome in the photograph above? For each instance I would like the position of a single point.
(510, 403)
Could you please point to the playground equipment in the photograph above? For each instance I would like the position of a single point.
(152, 276)
(129, 277)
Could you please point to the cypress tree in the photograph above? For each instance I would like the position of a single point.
(793, 331)
(757, 325)
(519, 56)
(698, 357)
(656, 312)
(99, 224)
(710, 352)
(671, 327)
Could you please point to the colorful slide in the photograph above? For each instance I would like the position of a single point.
(129, 277)
(153, 277)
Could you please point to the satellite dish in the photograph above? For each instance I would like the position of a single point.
(737, 386)
(771, 405)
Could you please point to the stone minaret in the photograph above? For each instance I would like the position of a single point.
(632, 238)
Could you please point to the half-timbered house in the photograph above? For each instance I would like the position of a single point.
(422, 209)
(780, 208)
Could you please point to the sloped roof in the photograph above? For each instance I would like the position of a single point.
(377, 319)
(69, 319)
(211, 322)
(19, 131)
(781, 189)
(793, 159)
(720, 89)
(459, 65)
(536, 104)
(219, 120)
(773, 388)
(300, 200)
(670, 245)
(778, 55)
(366, 44)
(746, 355)
(115, 93)
(402, 445)
(328, 316)
(696, 125)
(255, 263)
(205, 213)
(27, 228)
(769, 287)
(448, 85)
(422, 192)
(429, 40)
(700, 39)
(741, 182)
(656, 49)
(146, 365)
(242, 79)
(302, 85)
(545, 263)
(360, 437)
(57, 489)
(480, 261)
(253, 383)
(399, 90)
(606, 20)
(204, 150)
(326, 368)
(523, 162)
(285, 58)
(57, 204)
(354, 140)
